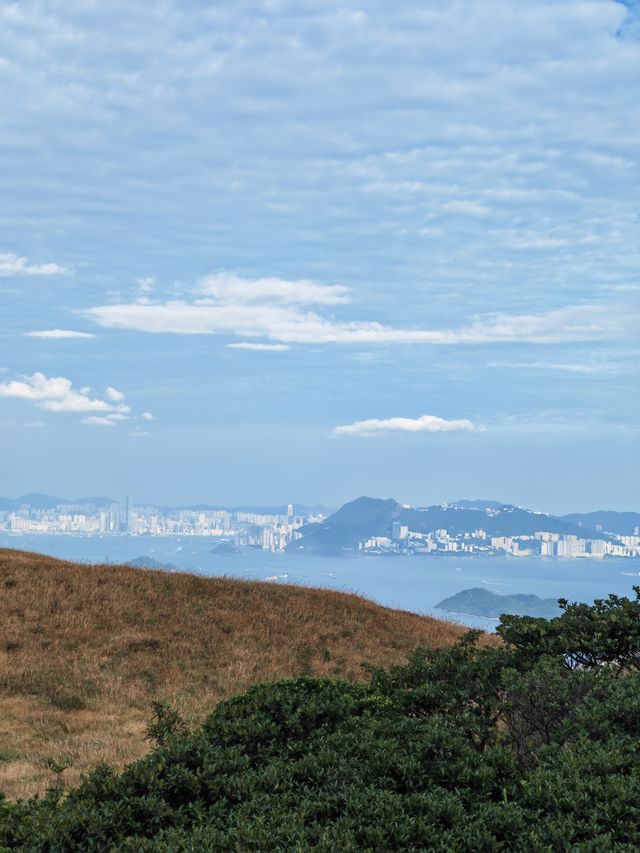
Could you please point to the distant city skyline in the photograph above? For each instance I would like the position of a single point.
(366, 526)
(279, 251)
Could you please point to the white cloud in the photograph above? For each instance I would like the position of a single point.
(230, 289)
(57, 394)
(146, 284)
(97, 420)
(140, 433)
(105, 420)
(58, 334)
(426, 423)
(114, 395)
(259, 347)
(147, 416)
(14, 265)
(266, 316)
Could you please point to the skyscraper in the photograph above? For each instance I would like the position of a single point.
(127, 522)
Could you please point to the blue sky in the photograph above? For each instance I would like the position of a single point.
(272, 251)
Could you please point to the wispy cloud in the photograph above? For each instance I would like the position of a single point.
(570, 422)
(465, 207)
(426, 423)
(98, 420)
(587, 367)
(58, 334)
(259, 347)
(14, 265)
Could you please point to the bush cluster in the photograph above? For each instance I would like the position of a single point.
(530, 745)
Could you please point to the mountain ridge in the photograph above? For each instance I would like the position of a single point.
(367, 517)
(42, 501)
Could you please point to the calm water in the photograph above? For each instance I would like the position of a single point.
(410, 583)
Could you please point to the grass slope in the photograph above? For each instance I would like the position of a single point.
(84, 650)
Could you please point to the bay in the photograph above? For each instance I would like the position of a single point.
(414, 583)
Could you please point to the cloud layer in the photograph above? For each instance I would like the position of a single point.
(426, 423)
(58, 334)
(404, 193)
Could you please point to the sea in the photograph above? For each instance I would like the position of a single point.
(415, 583)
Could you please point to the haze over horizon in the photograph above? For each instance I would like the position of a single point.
(306, 251)
(145, 500)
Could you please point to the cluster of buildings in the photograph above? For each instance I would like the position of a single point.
(274, 531)
(540, 544)
(269, 531)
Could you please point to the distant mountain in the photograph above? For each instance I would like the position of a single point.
(366, 517)
(506, 521)
(491, 605)
(618, 523)
(38, 501)
(298, 509)
(479, 504)
(342, 531)
(97, 502)
(35, 500)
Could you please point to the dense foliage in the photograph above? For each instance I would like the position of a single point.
(530, 745)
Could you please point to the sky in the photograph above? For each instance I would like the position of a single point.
(300, 251)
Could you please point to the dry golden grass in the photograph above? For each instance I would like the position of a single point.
(84, 650)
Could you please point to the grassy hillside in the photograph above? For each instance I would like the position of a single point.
(84, 650)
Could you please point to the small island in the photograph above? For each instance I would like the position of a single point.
(491, 605)
(223, 549)
(150, 563)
